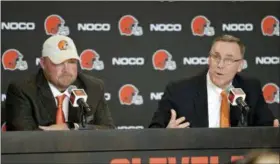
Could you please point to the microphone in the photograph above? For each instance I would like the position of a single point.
(237, 97)
(78, 98)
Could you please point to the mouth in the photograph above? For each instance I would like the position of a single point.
(66, 75)
(219, 74)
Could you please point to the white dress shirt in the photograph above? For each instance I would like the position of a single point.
(214, 103)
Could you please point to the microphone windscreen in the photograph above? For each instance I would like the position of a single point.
(70, 88)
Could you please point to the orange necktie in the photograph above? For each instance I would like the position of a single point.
(224, 114)
(59, 113)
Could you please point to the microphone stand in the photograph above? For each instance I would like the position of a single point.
(83, 117)
(244, 116)
(244, 112)
(243, 121)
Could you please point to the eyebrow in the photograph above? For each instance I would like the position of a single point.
(217, 53)
(229, 55)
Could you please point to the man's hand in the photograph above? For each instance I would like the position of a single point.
(54, 127)
(173, 123)
(276, 123)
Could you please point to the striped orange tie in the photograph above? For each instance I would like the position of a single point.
(59, 113)
(224, 114)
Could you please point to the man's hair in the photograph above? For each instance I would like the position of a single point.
(231, 39)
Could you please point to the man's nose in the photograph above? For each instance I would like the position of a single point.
(221, 63)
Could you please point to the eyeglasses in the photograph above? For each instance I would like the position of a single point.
(227, 61)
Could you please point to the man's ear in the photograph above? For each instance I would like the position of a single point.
(241, 65)
(42, 63)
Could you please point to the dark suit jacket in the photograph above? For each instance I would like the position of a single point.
(188, 97)
(30, 103)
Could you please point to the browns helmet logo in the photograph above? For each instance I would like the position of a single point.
(129, 94)
(270, 26)
(62, 45)
(89, 60)
(12, 59)
(4, 127)
(162, 60)
(55, 25)
(271, 93)
(129, 25)
(200, 26)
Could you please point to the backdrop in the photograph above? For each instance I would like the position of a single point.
(124, 58)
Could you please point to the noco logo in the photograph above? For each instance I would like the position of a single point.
(128, 61)
(195, 60)
(267, 60)
(94, 27)
(18, 26)
(166, 27)
(156, 95)
(238, 27)
(107, 96)
(3, 97)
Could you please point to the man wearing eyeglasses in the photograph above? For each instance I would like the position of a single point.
(201, 101)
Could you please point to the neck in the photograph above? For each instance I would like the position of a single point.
(61, 90)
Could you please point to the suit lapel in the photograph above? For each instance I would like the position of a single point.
(201, 103)
(92, 90)
(82, 82)
(47, 106)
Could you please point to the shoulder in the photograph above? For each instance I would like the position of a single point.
(187, 83)
(90, 80)
(248, 81)
(25, 84)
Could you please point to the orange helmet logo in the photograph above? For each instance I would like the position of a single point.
(200, 26)
(270, 26)
(129, 25)
(271, 93)
(62, 45)
(129, 94)
(55, 25)
(4, 127)
(162, 60)
(89, 60)
(12, 59)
